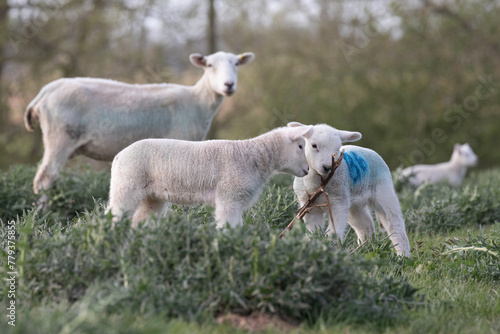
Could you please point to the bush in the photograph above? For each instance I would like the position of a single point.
(183, 268)
(74, 191)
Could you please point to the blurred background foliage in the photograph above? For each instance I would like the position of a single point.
(414, 77)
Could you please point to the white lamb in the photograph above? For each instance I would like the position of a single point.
(227, 175)
(362, 181)
(452, 171)
(98, 117)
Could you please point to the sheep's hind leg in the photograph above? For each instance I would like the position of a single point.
(148, 207)
(54, 159)
(389, 215)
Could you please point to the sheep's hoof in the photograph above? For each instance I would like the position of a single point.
(42, 203)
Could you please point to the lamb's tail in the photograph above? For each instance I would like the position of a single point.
(31, 113)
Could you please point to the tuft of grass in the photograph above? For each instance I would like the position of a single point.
(478, 256)
(275, 208)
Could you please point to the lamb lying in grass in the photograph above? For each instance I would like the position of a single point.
(361, 182)
(452, 171)
(227, 175)
(97, 118)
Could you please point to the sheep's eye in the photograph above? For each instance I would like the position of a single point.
(237, 63)
(314, 146)
(300, 146)
(209, 65)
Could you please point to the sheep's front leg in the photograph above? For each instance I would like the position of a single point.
(227, 212)
(340, 213)
(314, 221)
(54, 158)
(361, 220)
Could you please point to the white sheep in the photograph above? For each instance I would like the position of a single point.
(224, 174)
(452, 171)
(98, 117)
(362, 181)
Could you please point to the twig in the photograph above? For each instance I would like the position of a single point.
(330, 212)
(359, 246)
(309, 204)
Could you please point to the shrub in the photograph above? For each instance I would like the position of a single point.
(183, 268)
(74, 191)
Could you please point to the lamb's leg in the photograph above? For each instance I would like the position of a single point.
(231, 213)
(148, 207)
(340, 213)
(361, 221)
(389, 214)
(315, 221)
(121, 203)
(54, 158)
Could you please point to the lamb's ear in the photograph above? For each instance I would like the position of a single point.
(303, 131)
(198, 60)
(245, 58)
(458, 148)
(308, 132)
(294, 124)
(349, 136)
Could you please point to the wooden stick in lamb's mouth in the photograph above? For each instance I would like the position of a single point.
(309, 204)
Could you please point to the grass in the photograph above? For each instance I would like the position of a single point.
(176, 274)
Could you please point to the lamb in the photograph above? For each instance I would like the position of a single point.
(98, 117)
(224, 174)
(362, 182)
(452, 171)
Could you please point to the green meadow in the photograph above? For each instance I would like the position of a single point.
(179, 274)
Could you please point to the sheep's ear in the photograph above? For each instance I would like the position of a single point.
(458, 149)
(302, 131)
(198, 60)
(349, 136)
(245, 58)
(294, 124)
(308, 132)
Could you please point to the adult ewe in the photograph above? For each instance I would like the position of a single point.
(98, 117)
(362, 181)
(225, 174)
(452, 171)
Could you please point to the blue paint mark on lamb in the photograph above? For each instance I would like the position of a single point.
(356, 165)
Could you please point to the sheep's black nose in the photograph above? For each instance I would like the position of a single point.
(327, 168)
(229, 85)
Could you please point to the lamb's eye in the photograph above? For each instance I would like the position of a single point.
(300, 147)
(314, 146)
(209, 65)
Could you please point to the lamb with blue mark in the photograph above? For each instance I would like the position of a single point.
(362, 183)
